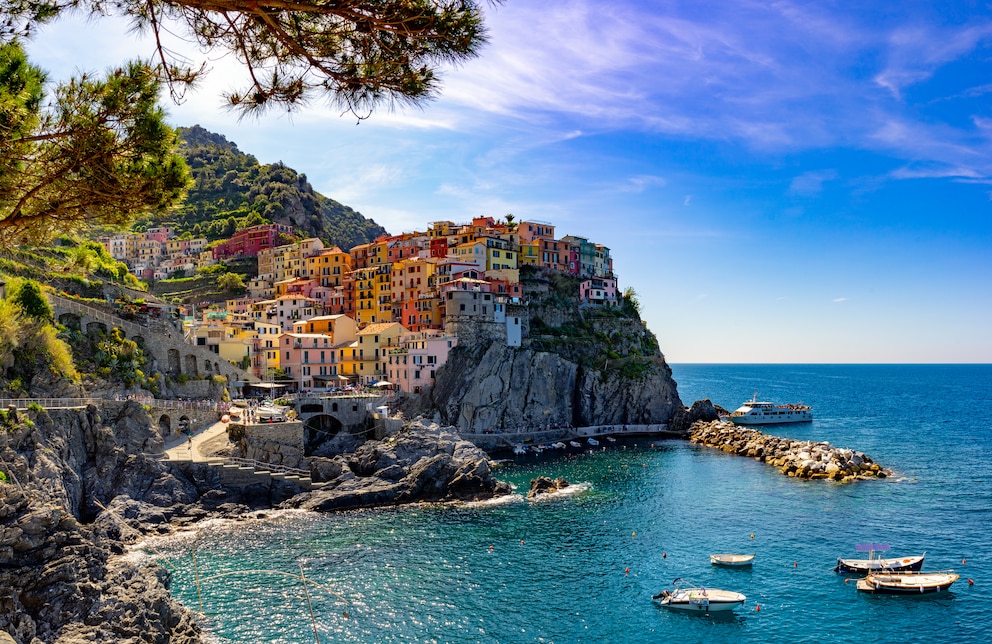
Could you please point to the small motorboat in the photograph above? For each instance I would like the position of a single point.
(559, 445)
(907, 583)
(693, 598)
(732, 561)
(593, 442)
(574, 444)
(878, 564)
(519, 449)
(611, 439)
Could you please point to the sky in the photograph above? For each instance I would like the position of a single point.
(779, 182)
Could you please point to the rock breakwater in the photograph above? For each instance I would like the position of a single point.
(801, 459)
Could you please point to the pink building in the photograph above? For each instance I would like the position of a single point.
(413, 364)
(599, 290)
(308, 359)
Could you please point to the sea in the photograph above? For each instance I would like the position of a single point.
(583, 566)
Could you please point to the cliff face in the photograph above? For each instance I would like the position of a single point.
(577, 365)
(59, 577)
(500, 387)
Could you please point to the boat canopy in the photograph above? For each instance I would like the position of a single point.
(872, 547)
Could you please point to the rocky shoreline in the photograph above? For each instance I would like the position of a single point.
(83, 484)
(801, 459)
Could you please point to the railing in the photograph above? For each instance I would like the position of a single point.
(49, 403)
(69, 403)
(267, 467)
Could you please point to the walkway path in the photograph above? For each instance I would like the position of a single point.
(183, 448)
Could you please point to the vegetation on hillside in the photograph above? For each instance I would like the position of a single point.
(30, 349)
(81, 269)
(231, 191)
(612, 340)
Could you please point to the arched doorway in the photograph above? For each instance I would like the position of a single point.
(164, 425)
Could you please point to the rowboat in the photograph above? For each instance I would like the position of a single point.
(693, 598)
(907, 583)
(732, 561)
(878, 564)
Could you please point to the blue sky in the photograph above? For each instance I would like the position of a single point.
(778, 181)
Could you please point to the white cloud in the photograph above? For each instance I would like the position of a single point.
(811, 183)
(642, 183)
(839, 299)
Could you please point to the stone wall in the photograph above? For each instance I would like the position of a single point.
(274, 443)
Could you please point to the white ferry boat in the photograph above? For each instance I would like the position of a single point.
(754, 412)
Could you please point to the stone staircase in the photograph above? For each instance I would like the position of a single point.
(238, 472)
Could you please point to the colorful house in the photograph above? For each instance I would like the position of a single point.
(411, 366)
(308, 359)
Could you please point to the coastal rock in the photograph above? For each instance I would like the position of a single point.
(543, 485)
(496, 387)
(60, 575)
(800, 459)
(422, 462)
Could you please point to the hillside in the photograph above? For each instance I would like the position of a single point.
(232, 190)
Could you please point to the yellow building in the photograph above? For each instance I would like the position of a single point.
(328, 266)
(363, 290)
(371, 348)
(530, 253)
(348, 360)
(341, 328)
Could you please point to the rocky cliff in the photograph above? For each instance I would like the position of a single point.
(500, 387)
(577, 365)
(60, 577)
(79, 485)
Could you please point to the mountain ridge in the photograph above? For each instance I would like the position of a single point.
(231, 191)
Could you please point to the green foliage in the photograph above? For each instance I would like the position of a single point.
(35, 407)
(91, 258)
(120, 358)
(231, 282)
(30, 347)
(3, 476)
(97, 156)
(28, 296)
(232, 191)
(631, 305)
(213, 269)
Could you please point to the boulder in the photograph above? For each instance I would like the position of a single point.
(544, 485)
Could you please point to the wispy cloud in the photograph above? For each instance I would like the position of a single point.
(837, 300)
(642, 183)
(811, 183)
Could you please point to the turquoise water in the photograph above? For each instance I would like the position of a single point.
(582, 568)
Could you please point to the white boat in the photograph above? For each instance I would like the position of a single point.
(732, 561)
(593, 442)
(698, 599)
(611, 439)
(559, 445)
(755, 412)
(907, 583)
(519, 449)
(878, 564)
(574, 444)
